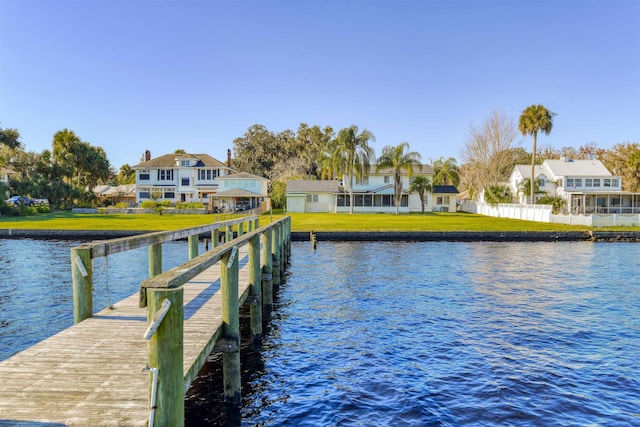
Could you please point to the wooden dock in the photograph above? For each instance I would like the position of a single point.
(95, 373)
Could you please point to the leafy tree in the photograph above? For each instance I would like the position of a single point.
(256, 151)
(557, 203)
(421, 185)
(534, 119)
(399, 159)
(10, 138)
(352, 156)
(310, 142)
(495, 194)
(524, 186)
(487, 159)
(621, 160)
(446, 172)
(126, 175)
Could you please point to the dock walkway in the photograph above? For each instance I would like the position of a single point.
(95, 373)
(92, 373)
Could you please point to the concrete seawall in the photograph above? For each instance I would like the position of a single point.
(372, 236)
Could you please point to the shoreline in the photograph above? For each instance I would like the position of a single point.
(360, 236)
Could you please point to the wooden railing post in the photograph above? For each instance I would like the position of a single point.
(275, 251)
(155, 259)
(165, 352)
(231, 324)
(267, 272)
(256, 289)
(82, 276)
(240, 228)
(229, 234)
(193, 246)
(215, 238)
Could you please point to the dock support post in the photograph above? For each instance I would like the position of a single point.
(215, 238)
(240, 229)
(165, 352)
(231, 325)
(229, 234)
(275, 251)
(82, 276)
(155, 259)
(193, 246)
(256, 289)
(267, 272)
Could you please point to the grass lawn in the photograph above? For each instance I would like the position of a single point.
(300, 222)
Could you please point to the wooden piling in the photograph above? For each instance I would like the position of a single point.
(82, 277)
(267, 272)
(193, 246)
(256, 290)
(231, 321)
(215, 238)
(275, 252)
(165, 352)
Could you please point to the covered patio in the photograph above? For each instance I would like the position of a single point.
(619, 202)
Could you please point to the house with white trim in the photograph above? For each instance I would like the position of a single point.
(586, 185)
(444, 198)
(186, 177)
(371, 194)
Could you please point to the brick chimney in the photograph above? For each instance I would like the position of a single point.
(147, 156)
(229, 157)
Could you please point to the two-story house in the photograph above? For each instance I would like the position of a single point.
(372, 193)
(179, 177)
(587, 186)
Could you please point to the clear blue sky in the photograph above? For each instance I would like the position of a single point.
(161, 75)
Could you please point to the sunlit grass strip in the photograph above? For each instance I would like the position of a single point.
(300, 222)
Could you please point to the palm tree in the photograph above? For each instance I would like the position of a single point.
(352, 155)
(398, 160)
(446, 172)
(422, 186)
(533, 119)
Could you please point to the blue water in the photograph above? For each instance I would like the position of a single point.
(400, 334)
(450, 334)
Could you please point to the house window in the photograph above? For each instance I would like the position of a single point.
(185, 162)
(312, 198)
(165, 174)
(615, 182)
(387, 178)
(596, 182)
(404, 200)
(363, 180)
(588, 182)
(144, 195)
(185, 182)
(169, 195)
(442, 200)
(143, 176)
(343, 200)
(206, 174)
(607, 182)
(574, 182)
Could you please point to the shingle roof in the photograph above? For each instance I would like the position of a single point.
(445, 189)
(312, 186)
(169, 161)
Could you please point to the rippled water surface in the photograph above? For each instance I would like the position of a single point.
(400, 334)
(450, 334)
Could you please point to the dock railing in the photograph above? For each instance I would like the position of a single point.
(162, 294)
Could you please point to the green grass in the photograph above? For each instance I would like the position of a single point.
(305, 222)
(432, 221)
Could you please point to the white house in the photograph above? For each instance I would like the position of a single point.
(586, 185)
(179, 177)
(373, 193)
(239, 191)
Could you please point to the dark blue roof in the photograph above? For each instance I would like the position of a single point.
(446, 189)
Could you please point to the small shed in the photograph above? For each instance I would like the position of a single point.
(306, 195)
(444, 198)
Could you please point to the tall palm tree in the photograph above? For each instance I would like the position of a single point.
(446, 172)
(534, 119)
(421, 185)
(399, 158)
(353, 156)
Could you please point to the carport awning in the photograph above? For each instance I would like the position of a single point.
(236, 192)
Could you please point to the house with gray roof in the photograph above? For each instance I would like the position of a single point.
(587, 186)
